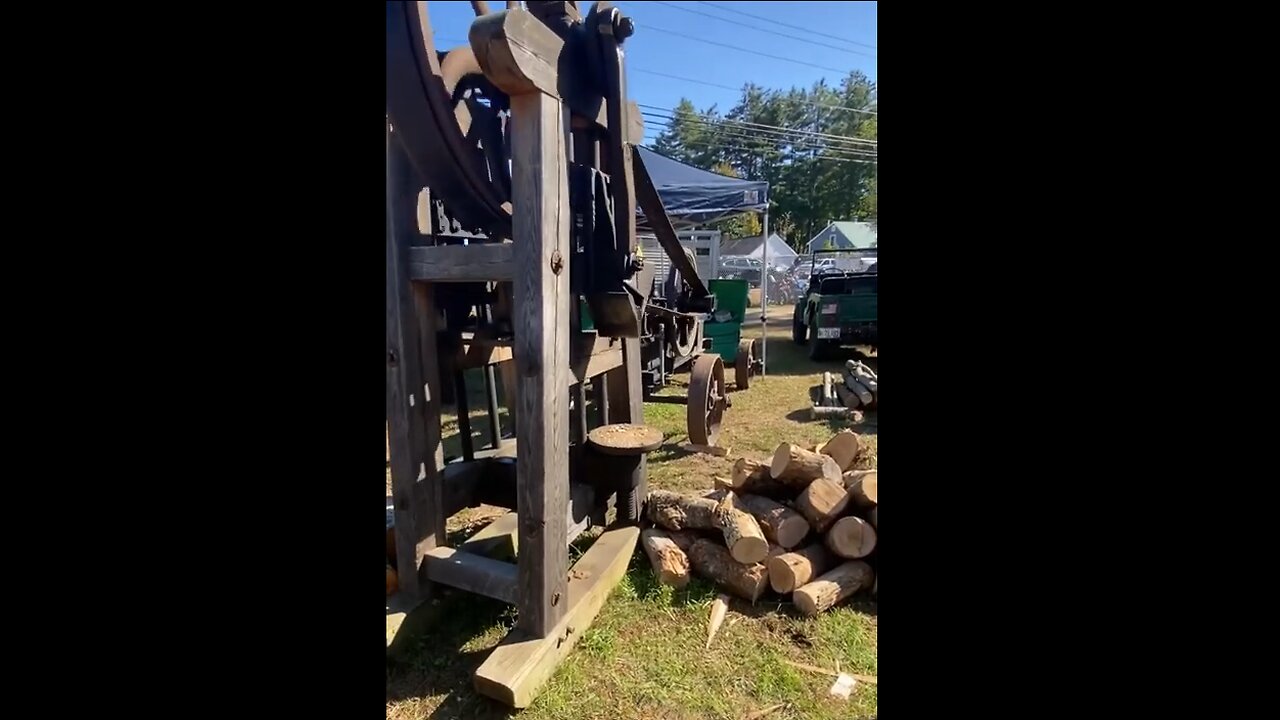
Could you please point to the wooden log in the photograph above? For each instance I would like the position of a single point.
(862, 486)
(871, 517)
(863, 393)
(713, 562)
(742, 534)
(828, 394)
(851, 538)
(847, 398)
(832, 587)
(789, 571)
(670, 563)
(798, 467)
(781, 525)
(821, 503)
(843, 447)
(674, 511)
(752, 477)
(821, 412)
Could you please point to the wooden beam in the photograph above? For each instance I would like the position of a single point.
(474, 573)
(520, 54)
(461, 263)
(521, 664)
(540, 230)
(418, 507)
(500, 539)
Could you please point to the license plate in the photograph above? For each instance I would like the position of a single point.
(828, 333)
(828, 309)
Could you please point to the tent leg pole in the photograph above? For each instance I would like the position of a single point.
(764, 301)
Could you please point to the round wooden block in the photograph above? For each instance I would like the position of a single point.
(625, 439)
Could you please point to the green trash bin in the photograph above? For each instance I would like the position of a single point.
(731, 301)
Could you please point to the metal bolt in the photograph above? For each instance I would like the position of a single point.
(557, 262)
(391, 357)
(555, 599)
(623, 27)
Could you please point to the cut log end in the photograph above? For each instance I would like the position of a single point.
(832, 587)
(788, 571)
(864, 487)
(843, 447)
(742, 533)
(851, 538)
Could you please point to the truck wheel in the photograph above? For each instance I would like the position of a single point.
(797, 330)
(818, 349)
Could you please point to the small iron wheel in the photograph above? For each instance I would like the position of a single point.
(706, 401)
(744, 365)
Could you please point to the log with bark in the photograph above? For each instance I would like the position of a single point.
(828, 394)
(862, 392)
(752, 476)
(832, 587)
(781, 525)
(863, 487)
(742, 534)
(669, 561)
(851, 538)
(674, 511)
(843, 447)
(798, 467)
(789, 571)
(822, 502)
(713, 562)
(847, 398)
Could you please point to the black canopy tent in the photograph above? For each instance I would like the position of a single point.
(692, 197)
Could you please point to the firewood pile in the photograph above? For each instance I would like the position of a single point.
(850, 391)
(802, 524)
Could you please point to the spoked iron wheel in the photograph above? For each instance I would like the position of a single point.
(707, 399)
(450, 119)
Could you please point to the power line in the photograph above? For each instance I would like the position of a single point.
(745, 50)
(764, 30)
(798, 143)
(779, 22)
(798, 131)
(757, 143)
(827, 158)
(738, 89)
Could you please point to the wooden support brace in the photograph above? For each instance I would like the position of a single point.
(540, 226)
(473, 572)
(521, 664)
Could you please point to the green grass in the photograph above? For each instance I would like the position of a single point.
(644, 656)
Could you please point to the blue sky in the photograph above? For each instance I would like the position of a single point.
(656, 50)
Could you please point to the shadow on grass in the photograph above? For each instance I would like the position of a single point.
(868, 426)
(435, 662)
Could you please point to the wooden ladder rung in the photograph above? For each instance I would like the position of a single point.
(473, 573)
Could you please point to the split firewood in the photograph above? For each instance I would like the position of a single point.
(789, 571)
(863, 487)
(798, 467)
(393, 581)
(742, 534)
(719, 607)
(674, 511)
(781, 525)
(713, 562)
(843, 447)
(822, 502)
(851, 538)
(832, 587)
(670, 563)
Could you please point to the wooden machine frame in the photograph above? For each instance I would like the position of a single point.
(546, 361)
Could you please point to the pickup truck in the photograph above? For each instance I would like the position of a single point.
(839, 308)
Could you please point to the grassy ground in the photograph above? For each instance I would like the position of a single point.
(643, 657)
